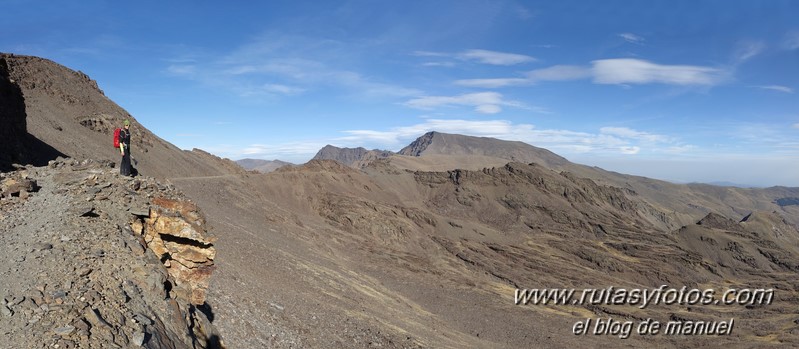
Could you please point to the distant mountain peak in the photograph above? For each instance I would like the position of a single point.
(715, 220)
(417, 147)
(438, 143)
(354, 157)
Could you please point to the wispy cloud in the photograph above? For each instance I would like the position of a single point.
(629, 133)
(612, 71)
(477, 55)
(277, 65)
(430, 54)
(523, 12)
(609, 140)
(438, 64)
(494, 57)
(559, 73)
(791, 40)
(272, 89)
(493, 83)
(632, 38)
(612, 147)
(636, 71)
(746, 50)
(483, 102)
(679, 149)
(778, 88)
(630, 150)
(282, 151)
(182, 69)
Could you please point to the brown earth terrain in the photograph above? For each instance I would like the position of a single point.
(425, 248)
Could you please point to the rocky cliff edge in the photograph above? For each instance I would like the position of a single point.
(91, 259)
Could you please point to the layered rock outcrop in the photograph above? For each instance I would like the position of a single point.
(175, 232)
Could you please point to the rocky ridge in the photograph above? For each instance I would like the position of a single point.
(438, 143)
(354, 157)
(91, 259)
(263, 166)
(53, 111)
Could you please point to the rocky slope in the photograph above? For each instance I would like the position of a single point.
(355, 157)
(423, 250)
(432, 259)
(682, 204)
(53, 110)
(437, 143)
(93, 260)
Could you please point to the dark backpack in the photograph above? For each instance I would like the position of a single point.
(116, 138)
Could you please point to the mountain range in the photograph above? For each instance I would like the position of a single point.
(264, 166)
(428, 246)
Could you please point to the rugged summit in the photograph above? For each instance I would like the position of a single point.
(437, 143)
(93, 260)
(355, 157)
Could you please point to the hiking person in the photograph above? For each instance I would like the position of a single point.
(124, 149)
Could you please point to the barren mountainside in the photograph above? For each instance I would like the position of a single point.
(57, 111)
(425, 248)
(412, 251)
(437, 143)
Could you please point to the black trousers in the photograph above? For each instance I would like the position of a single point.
(124, 167)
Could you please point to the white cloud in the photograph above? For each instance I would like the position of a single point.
(483, 102)
(181, 69)
(488, 109)
(610, 148)
(495, 58)
(679, 149)
(618, 71)
(625, 132)
(524, 13)
(791, 40)
(492, 83)
(796, 125)
(609, 140)
(438, 64)
(361, 136)
(270, 89)
(430, 54)
(636, 71)
(632, 38)
(274, 65)
(747, 49)
(630, 150)
(559, 73)
(778, 88)
(284, 150)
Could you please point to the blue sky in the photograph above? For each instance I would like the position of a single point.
(677, 90)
